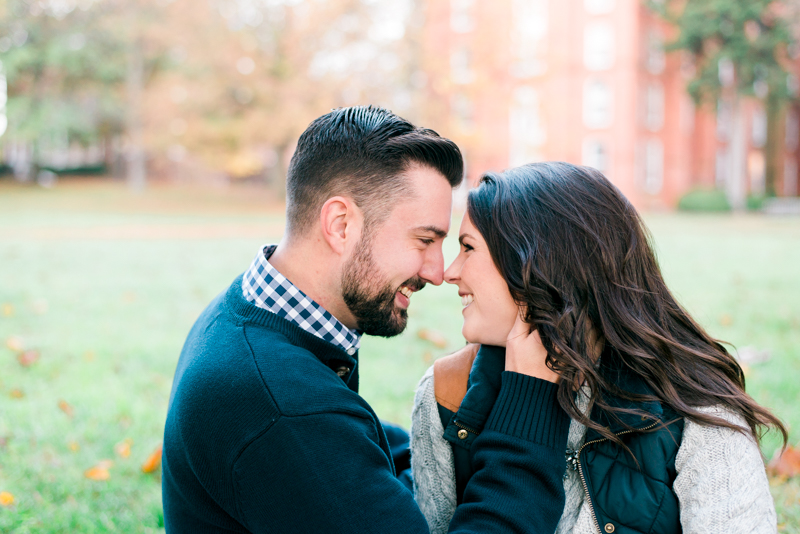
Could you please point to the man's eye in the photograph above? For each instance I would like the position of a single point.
(426, 241)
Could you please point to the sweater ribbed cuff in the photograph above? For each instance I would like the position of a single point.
(527, 408)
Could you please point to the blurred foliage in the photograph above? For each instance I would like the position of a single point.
(63, 69)
(747, 43)
(711, 200)
(739, 48)
(230, 82)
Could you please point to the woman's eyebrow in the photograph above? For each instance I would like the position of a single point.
(462, 236)
(438, 232)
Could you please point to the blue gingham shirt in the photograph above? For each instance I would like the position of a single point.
(268, 289)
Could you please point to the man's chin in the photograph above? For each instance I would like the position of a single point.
(391, 327)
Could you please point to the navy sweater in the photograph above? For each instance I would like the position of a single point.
(263, 435)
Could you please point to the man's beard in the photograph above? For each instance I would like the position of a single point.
(370, 300)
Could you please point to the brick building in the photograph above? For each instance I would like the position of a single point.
(585, 81)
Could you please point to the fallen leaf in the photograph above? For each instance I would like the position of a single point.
(16, 394)
(786, 463)
(725, 320)
(8, 309)
(15, 343)
(123, 448)
(88, 355)
(427, 357)
(28, 357)
(153, 461)
(66, 408)
(73, 446)
(6, 498)
(432, 336)
(98, 472)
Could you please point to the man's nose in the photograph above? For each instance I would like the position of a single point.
(432, 270)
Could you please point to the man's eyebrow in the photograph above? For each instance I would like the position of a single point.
(438, 232)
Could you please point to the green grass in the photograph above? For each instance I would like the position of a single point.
(105, 285)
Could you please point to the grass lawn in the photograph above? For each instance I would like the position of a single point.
(104, 286)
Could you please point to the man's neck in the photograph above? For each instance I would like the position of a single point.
(313, 271)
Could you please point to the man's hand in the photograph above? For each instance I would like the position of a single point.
(525, 353)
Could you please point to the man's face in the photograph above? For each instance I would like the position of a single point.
(399, 257)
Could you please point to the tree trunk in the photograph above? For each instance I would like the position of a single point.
(736, 184)
(773, 148)
(136, 170)
(277, 178)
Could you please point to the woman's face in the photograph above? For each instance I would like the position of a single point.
(489, 310)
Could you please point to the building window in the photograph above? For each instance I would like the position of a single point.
(598, 46)
(461, 67)
(526, 129)
(792, 131)
(654, 107)
(462, 18)
(790, 177)
(595, 154)
(598, 7)
(529, 37)
(653, 166)
(758, 129)
(655, 59)
(598, 105)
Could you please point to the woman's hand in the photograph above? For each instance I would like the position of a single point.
(525, 353)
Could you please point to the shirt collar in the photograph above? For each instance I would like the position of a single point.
(268, 289)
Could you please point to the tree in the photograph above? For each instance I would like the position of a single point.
(740, 48)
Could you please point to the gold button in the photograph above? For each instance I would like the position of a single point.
(609, 528)
(341, 371)
(462, 434)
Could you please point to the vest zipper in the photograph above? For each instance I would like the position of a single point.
(463, 427)
(583, 478)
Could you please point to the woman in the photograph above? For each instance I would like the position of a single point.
(556, 275)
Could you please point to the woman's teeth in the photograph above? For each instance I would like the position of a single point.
(466, 300)
(405, 291)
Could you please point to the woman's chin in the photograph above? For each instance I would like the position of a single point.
(482, 337)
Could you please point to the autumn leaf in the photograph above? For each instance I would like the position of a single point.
(6, 498)
(28, 357)
(100, 471)
(725, 320)
(153, 461)
(8, 310)
(15, 343)
(786, 463)
(16, 394)
(123, 448)
(432, 336)
(73, 446)
(66, 408)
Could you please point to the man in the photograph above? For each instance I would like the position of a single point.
(266, 431)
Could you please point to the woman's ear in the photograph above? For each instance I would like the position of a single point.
(341, 223)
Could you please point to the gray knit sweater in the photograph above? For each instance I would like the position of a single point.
(721, 485)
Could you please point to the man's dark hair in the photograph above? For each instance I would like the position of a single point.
(361, 152)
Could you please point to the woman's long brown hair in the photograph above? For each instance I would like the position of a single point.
(575, 253)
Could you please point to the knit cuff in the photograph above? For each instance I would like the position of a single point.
(527, 408)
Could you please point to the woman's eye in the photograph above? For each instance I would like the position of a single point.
(467, 248)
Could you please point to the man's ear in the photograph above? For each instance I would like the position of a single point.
(340, 221)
